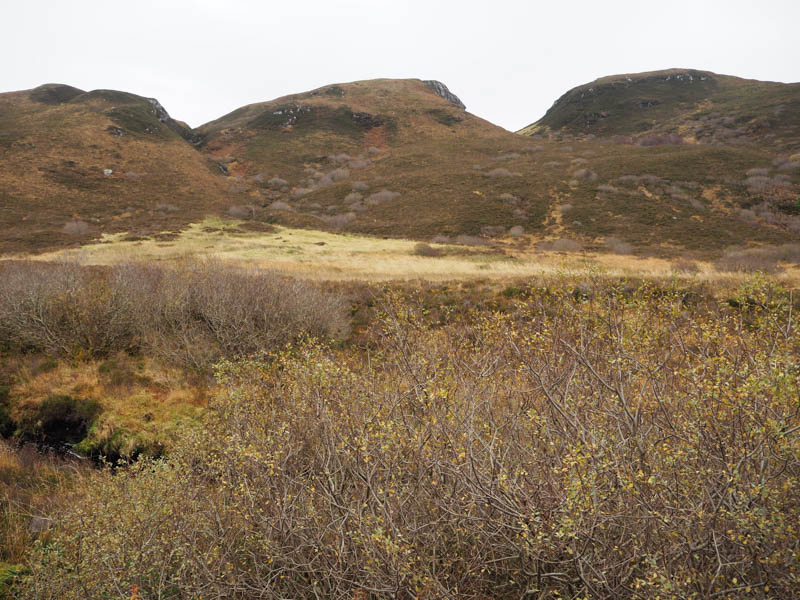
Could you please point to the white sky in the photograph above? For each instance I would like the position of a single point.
(507, 60)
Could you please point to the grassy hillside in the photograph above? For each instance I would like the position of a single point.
(392, 158)
(74, 165)
(386, 157)
(403, 159)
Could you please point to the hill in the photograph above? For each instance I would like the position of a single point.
(396, 158)
(694, 158)
(696, 106)
(385, 157)
(391, 158)
(76, 164)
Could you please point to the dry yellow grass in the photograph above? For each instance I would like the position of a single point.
(329, 256)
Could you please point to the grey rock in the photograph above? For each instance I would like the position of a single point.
(40, 525)
(440, 89)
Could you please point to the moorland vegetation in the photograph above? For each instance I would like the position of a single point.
(559, 438)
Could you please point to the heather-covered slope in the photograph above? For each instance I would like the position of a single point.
(391, 157)
(75, 164)
(697, 106)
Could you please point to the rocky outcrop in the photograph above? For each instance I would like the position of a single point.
(181, 129)
(440, 89)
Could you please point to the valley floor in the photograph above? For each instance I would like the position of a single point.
(320, 255)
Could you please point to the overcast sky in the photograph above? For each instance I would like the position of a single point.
(507, 60)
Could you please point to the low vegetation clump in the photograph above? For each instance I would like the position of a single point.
(241, 212)
(380, 197)
(618, 246)
(76, 227)
(500, 172)
(423, 249)
(561, 245)
(624, 443)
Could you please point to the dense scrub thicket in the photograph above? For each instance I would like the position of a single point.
(609, 444)
(191, 313)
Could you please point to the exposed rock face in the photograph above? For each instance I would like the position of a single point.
(163, 116)
(440, 89)
(159, 111)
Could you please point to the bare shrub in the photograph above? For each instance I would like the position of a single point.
(373, 151)
(241, 212)
(423, 249)
(470, 240)
(358, 163)
(508, 156)
(578, 161)
(322, 182)
(339, 220)
(76, 227)
(164, 207)
(380, 197)
(777, 162)
(765, 259)
(339, 174)
(646, 179)
(353, 197)
(697, 204)
(667, 139)
(585, 174)
(510, 198)
(440, 239)
(192, 313)
(762, 172)
(64, 309)
(339, 159)
(280, 205)
(748, 215)
(618, 246)
(790, 165)
(499, 173)
(278, 183)
(565, 208)
(552, 164)
(516, 231)
(546, 448)
(360, 186)
(492, 230)
(298, 193)
(561, 245)
(608, 189)
(758, 183)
